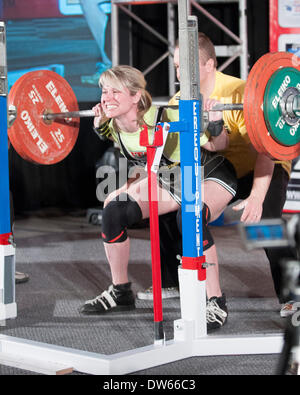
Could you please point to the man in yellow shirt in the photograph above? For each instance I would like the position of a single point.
(262, 182)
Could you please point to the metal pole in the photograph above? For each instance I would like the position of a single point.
(228, 107)
(5, 225)
(70, 114)
(8, 306)
(90, 113)
(216, 22)
(244, 66)
(188, 54)
(191, 274)
(144, 24)
(114, 34)
(171, 39)
(157, 62)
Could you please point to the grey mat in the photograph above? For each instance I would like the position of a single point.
(65, 259)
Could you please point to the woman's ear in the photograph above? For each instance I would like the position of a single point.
(137, 97)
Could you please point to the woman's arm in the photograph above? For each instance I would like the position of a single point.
(100, 117)
(101, 123)
(218, 138)
(218, 143)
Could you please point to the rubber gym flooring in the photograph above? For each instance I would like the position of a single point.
(65, 259)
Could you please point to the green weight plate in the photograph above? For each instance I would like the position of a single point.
(281, 131)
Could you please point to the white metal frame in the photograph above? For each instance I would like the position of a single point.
(231, 52)
(7, 310)
(124, 5)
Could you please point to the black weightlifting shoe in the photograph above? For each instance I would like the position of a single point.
(216, 312)
(21, 278)
(117, 298)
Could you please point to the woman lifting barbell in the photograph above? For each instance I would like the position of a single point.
(125, 106)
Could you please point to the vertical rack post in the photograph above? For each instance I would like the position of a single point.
(114, 34)
(191, 274)
(244, 64)
(8, 307)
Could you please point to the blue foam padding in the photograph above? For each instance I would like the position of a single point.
(4, 179)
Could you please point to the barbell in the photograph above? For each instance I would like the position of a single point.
(44, 116)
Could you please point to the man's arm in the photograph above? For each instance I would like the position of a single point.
(253, 205)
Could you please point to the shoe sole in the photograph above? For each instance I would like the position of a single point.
(109, 311)
(150, 297)
(24, 280)
(212, 329)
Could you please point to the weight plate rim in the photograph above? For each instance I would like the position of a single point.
(265, 66)
(15, 133)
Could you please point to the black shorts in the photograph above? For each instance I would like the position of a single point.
(214, 168)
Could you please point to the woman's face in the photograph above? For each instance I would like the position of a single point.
(117, 102)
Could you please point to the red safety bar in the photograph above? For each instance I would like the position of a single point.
(153, 217)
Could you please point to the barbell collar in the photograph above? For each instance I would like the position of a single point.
(289, 106)
(296, 105)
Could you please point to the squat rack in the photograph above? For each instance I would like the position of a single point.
(190, 337)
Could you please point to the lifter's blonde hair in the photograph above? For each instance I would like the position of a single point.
(133, 79)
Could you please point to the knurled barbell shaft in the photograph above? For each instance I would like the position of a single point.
(293, 109)
(228, 107)
(90, 113)
(70, 114)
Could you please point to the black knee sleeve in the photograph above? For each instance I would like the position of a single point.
(208, 240)
(117, 216)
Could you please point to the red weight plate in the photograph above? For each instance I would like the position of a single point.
(250, 109)
(35, 140)
(257, 81)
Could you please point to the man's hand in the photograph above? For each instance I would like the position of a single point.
(253, 205)
(252, 209)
